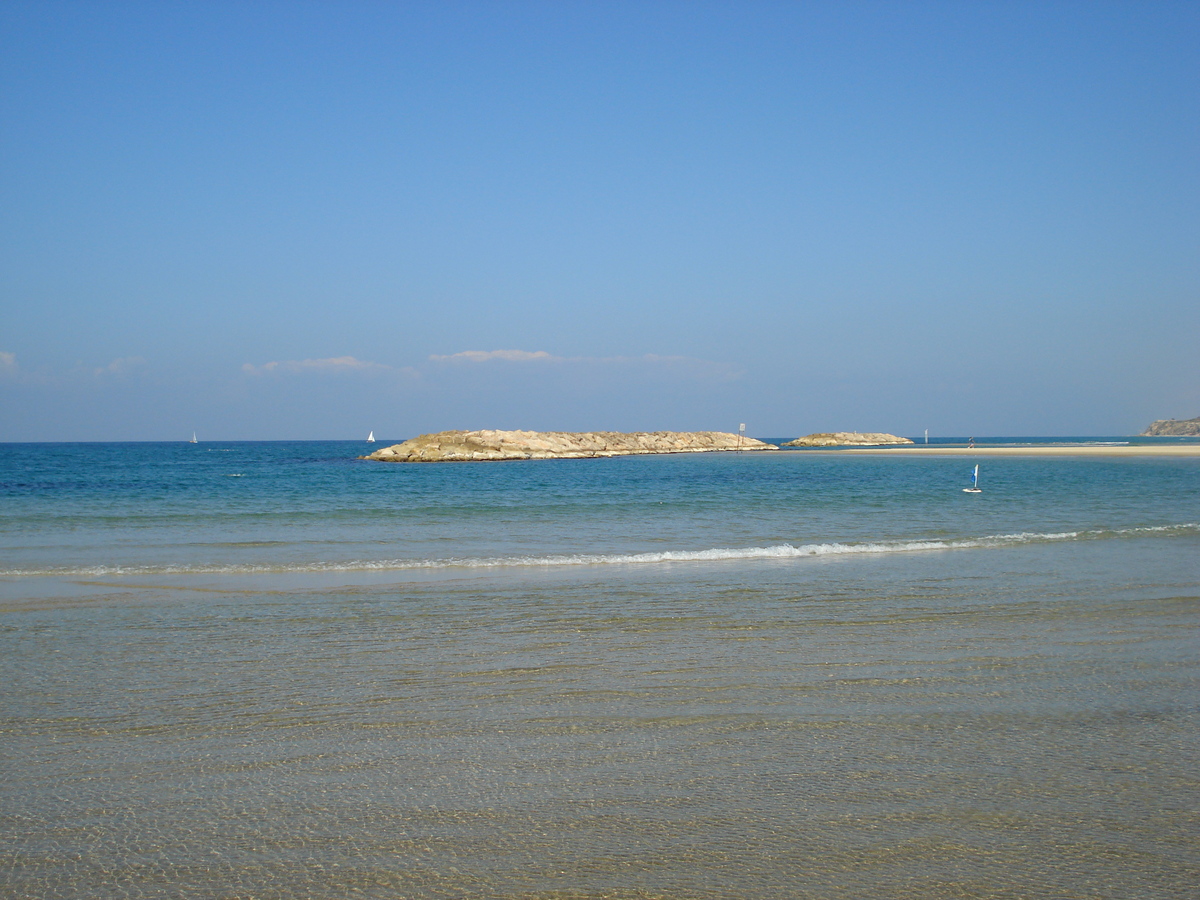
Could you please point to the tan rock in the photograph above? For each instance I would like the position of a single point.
(847, 439)
(464, 446)
(1174, 427)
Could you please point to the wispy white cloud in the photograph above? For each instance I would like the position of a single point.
(481, 356)
(650, 364)
(329, 366)
(80, 373)
(686, 366)
(121, 366)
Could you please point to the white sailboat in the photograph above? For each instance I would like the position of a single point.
(974, 488)
(193, 440)
(371, 438)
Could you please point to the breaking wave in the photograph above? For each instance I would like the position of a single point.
(718, 554)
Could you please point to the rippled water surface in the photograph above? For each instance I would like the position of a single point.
(270, 670)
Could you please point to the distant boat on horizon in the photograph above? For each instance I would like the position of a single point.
(193, 440)
(371, 438)
(974, 488)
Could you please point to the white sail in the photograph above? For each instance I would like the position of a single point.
(371, 438)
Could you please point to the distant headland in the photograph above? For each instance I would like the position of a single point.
(846, 439)
(1174, 428)
(466, 446)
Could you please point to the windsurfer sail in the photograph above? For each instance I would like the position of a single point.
(974, 488)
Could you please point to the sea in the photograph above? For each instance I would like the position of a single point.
(276, 670)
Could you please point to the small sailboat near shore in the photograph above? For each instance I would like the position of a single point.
(371, 438)
(974, 488)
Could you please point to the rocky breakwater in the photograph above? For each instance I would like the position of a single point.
(467, 446)
(846, 439)
(1174, 428)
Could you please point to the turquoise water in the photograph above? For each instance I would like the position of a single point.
(273, 670)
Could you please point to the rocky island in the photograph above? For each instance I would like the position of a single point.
(465, 446)
(847, 439)
(1174, 428)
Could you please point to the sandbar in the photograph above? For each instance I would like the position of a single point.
(1086, 450)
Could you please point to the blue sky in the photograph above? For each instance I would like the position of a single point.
(297, 220)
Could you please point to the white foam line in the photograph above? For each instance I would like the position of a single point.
(775, 552)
